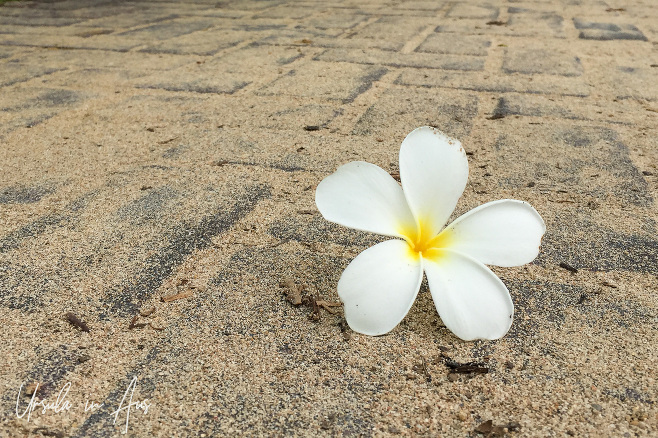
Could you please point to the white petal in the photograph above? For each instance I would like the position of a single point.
(379, 287)
(434, 171)
(365, 197)
(501, 233)
(472, 302)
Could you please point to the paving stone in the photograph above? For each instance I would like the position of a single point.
(417, 60)
(607, 31)
(631, 82)
(212, 42)
(43, 99)
(37, 18)
(24, 195)
(247, 5)
(89, 67)
(63, 11)
(318, 79)
(500, 84)
(167, 29)
(182, 241)
(523, 21)
(540, 60)
(558, 301)
(284, 11)
(255, 25)
(421, 5)
(399, 108)
(532, 105)
(300, 37)
(278, 113)
(151, 207)
(308, 230)
(27, 107)
(72, 5)
(463, 10)
(619, 251)
(334, 19)
(225, 74)
(39, 21)
(126, 20)
(592, 162)
(53, 32)
(470, 26)
(22, 70)
(6, 52)
(43, 224)
(100, 42)
(445, 43)
(302, 116)
(392, 31)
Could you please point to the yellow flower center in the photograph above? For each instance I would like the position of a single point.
(421, 241)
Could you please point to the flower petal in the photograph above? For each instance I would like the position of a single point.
(434, 171)
(379, 287)
(472, 302)
(365, 197)
(500, 233)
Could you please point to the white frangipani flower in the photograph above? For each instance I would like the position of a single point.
(380, 284)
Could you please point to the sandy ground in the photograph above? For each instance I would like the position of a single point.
(154, 149)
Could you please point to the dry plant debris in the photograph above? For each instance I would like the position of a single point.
(179, 296)
(299, 294)
(74, 320)
(489, 430)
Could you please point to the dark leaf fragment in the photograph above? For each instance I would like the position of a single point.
(568, 267)
(467, 368)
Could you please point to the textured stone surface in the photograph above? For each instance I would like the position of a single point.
(154, 148)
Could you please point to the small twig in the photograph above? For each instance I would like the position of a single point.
(133, 323)
(178, 296)
(167, 141)
(74, 320)
(327, 305)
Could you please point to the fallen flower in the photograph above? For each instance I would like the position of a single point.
(380, 284)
